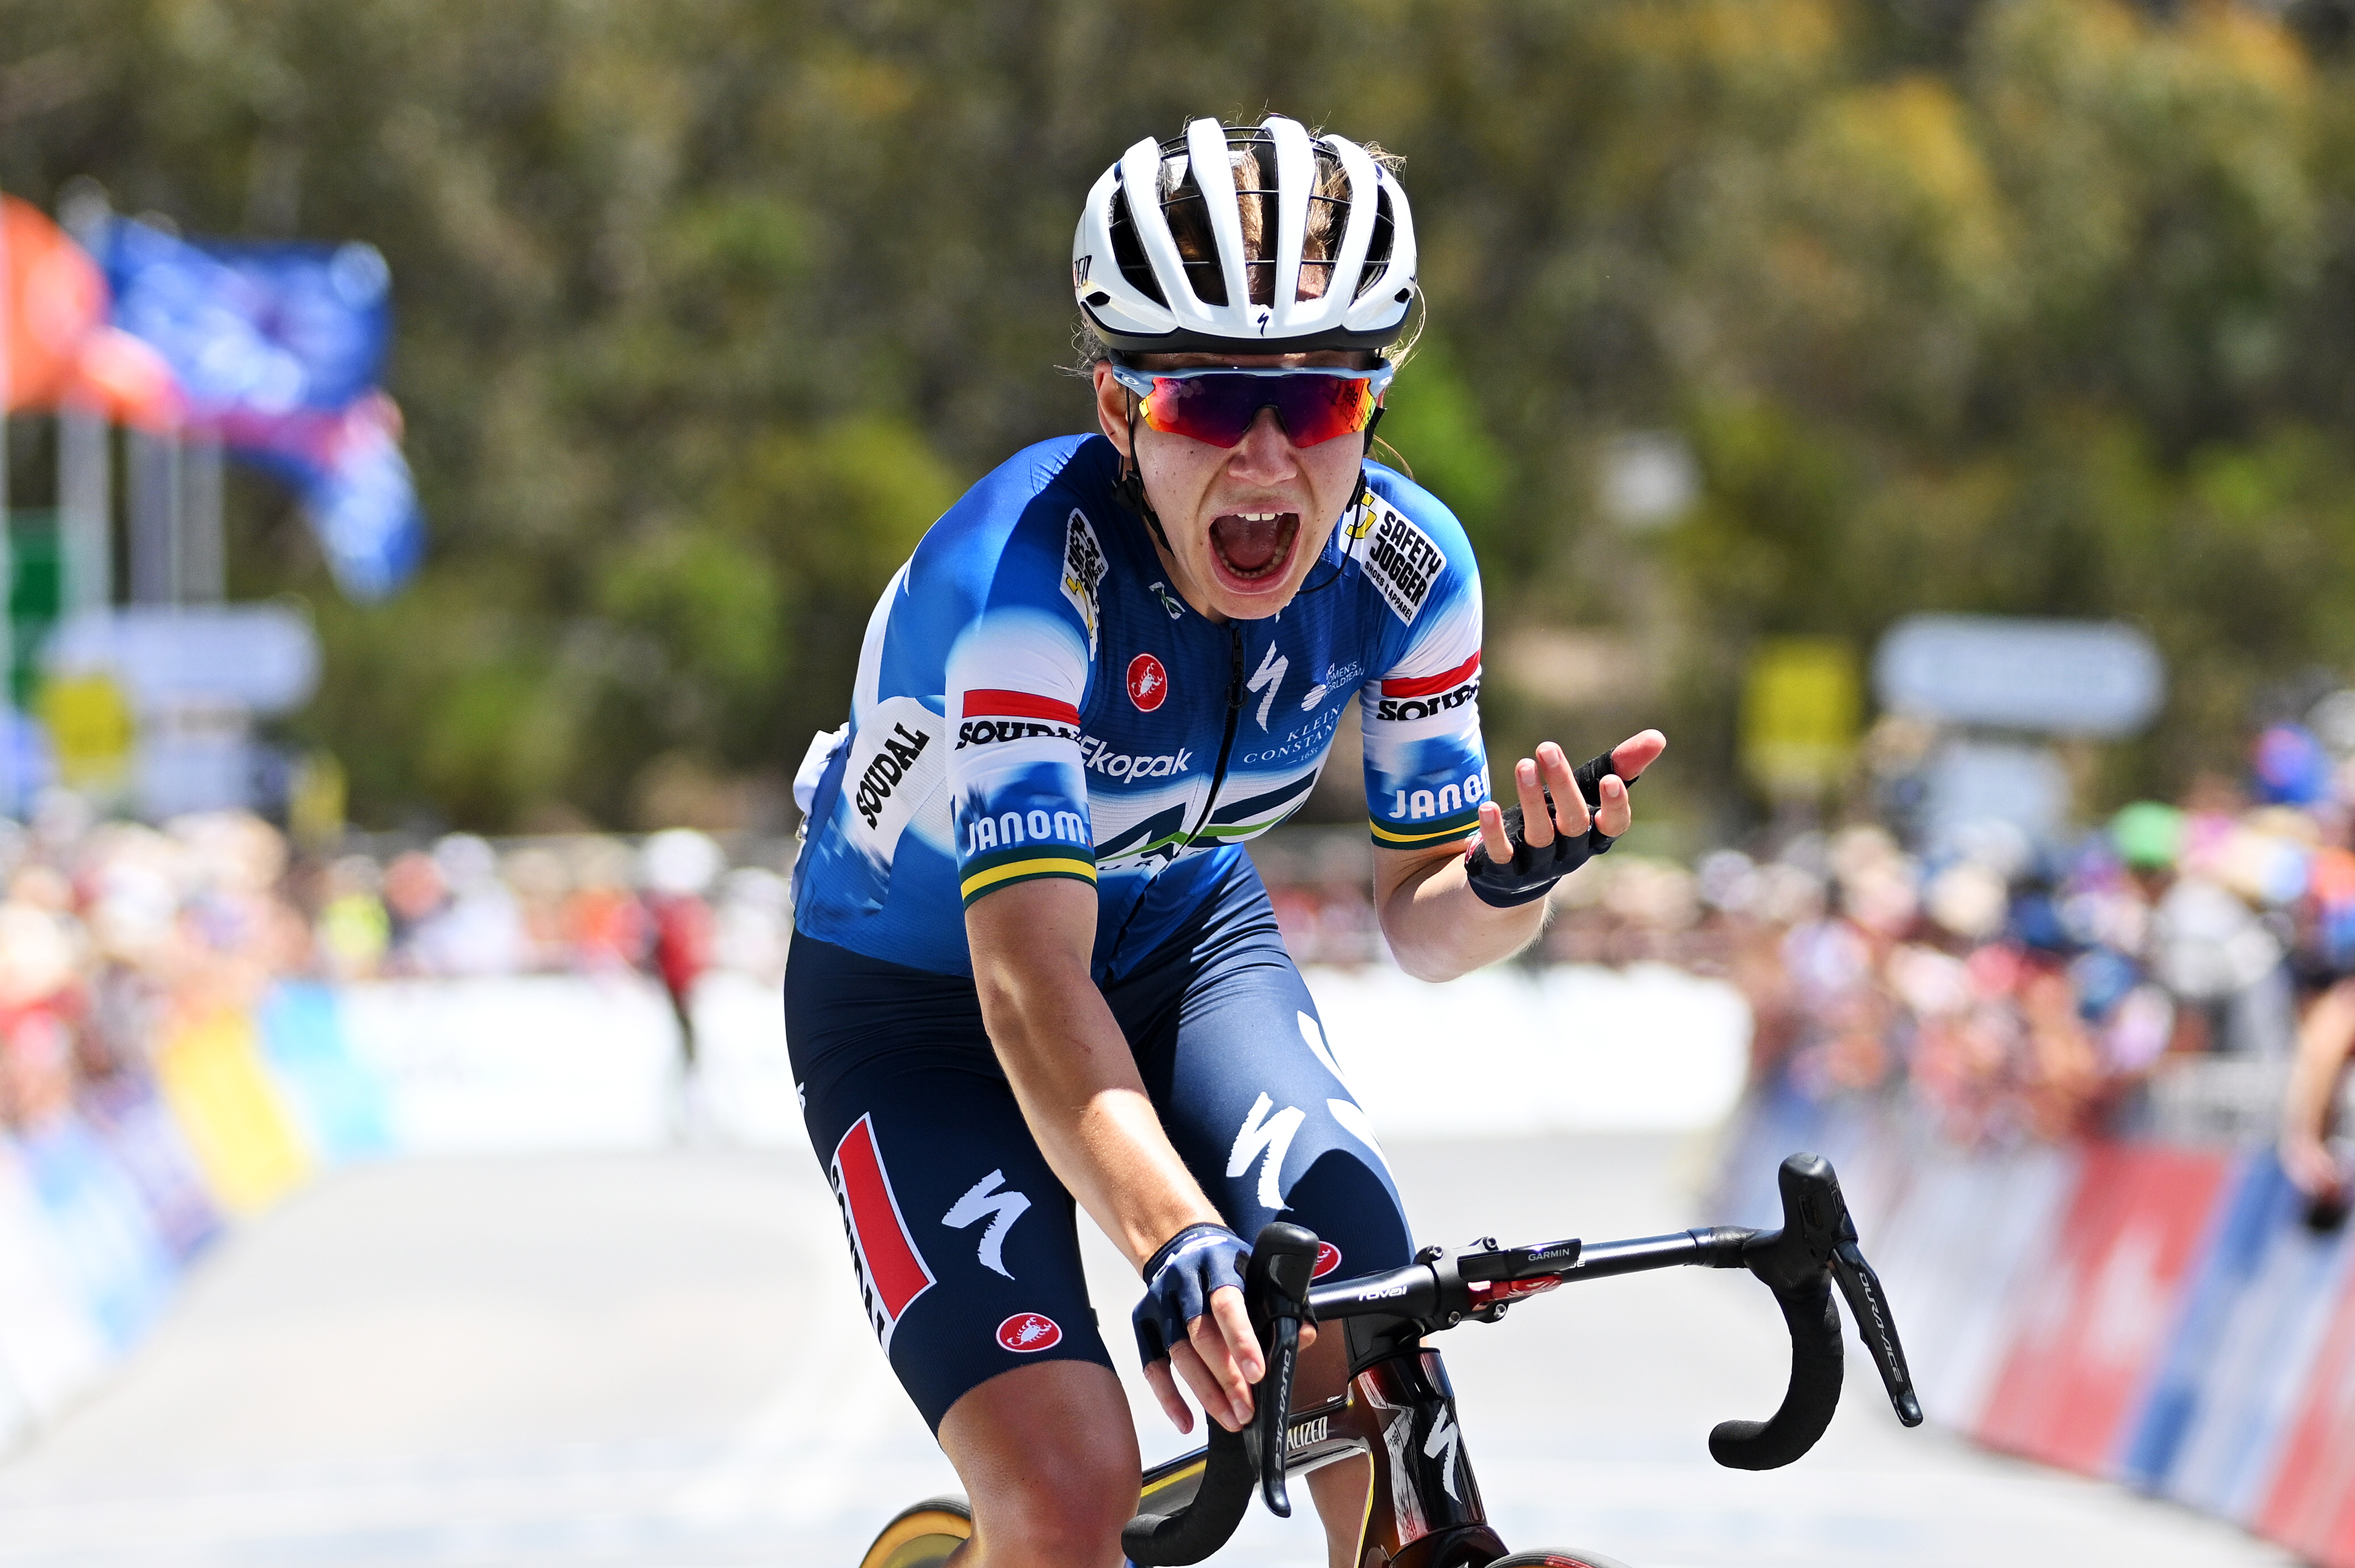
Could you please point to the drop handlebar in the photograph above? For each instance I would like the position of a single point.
(1816, 1249)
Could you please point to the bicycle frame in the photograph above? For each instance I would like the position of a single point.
(1423, 1505)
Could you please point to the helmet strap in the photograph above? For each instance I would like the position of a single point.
(1358, 496)
(1131, 487)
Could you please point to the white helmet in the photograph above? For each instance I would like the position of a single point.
(1143, 296)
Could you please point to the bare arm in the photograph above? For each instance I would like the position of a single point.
(1080, 1092)
(1436, 926)
(2325, 1039)
(1071, 1067)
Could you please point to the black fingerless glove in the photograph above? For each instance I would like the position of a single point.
(1532, 873)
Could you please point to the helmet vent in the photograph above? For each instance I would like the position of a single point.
(1188, 213)
(1384, 240)
(1327, 218)
(1128, 250)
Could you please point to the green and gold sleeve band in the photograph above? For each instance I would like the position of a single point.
(990, 872)
(1420, 835)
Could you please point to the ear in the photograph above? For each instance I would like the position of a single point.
(1111, 408)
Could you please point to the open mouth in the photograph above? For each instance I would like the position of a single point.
(1255, 547)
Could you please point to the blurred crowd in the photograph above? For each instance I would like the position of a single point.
(110, 932)
(2016, 989)
(2025, 990)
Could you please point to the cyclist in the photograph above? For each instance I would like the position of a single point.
(1031, 964)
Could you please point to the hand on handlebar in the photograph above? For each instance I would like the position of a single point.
(1195, 1280)
(1232, 1349)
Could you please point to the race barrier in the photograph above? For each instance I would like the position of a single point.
(103, 1205)
(2160, 1315)
(2156, 1314)
(106, 1200)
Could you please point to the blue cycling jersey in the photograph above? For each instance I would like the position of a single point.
(1034, 699)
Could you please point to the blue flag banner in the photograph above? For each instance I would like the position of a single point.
(261, 328)
(346, 465)
(278, 348)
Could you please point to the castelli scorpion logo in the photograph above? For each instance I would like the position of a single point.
(1027, 1331)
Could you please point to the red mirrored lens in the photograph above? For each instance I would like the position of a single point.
(1313, 408)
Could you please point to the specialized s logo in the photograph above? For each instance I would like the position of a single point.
(989, 1198)
(1397, 558)
(901, 749)
(1423, 696)
(891, 1273)
(1269, 675)
(1445, 1445)
(1084, 572)
(1266, 1138)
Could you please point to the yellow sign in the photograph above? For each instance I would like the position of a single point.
(1802, 705)
(315, 800)
(91, 728)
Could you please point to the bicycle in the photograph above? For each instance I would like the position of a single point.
(1399, 1409)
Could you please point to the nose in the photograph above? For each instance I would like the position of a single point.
(1266, 451)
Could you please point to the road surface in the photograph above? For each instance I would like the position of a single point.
(629, 1361)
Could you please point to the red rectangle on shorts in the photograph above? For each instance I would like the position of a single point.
(895, 1271)
(1429, 685)
(995, 704)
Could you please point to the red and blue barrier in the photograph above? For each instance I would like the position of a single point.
(2309, 1497)
(2160, 1315)
(2217, 1411)
(2091, 1328)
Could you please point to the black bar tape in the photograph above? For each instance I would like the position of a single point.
(1192, 1532)
(1817, 1367)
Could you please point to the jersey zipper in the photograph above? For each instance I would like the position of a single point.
(1218, 777)
(1226, 742)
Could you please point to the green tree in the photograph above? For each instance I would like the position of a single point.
(706, 312)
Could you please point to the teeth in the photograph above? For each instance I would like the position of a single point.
(1259, 517)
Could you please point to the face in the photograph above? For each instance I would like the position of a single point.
(1246, 522)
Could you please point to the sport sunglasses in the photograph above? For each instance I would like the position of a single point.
(1218, 406)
